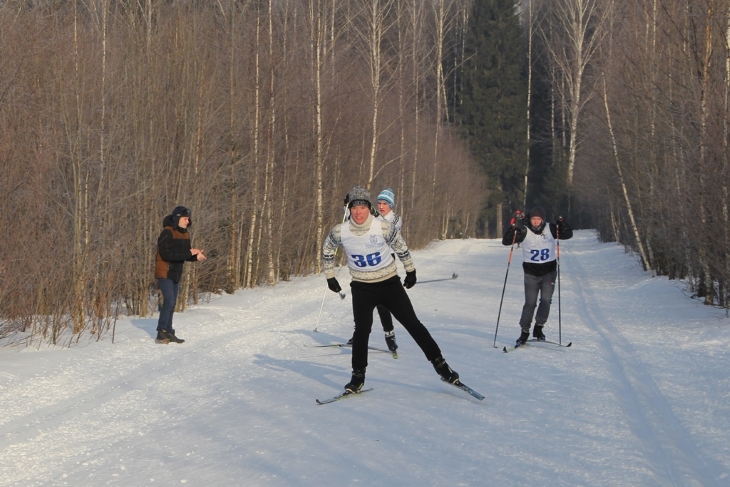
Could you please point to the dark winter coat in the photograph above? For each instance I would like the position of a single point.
(561, 229)
(173, 249)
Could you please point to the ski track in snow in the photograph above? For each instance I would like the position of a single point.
(666, 443)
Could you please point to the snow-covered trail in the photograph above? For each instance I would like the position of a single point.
(664, 443)
(641, 398)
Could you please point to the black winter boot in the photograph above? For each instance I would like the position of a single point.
(522, 339)
(443, 369)
(390, 341)
(173, 338)
(162, 337)
(357, 381)
(538, 334)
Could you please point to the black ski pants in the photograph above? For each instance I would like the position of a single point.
(391, 294)
(385, 319)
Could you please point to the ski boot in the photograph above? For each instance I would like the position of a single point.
(356, 382)
(537, 333)
(390, 341)
(443, 369)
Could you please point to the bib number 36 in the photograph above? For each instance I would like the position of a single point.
(367, 260)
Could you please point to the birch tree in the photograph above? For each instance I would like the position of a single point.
(576, 28)
(318, 50)
(624, 190)
(373, 24)
(255, 136)
(530, 24)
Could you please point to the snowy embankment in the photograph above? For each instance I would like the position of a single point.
(641, 398)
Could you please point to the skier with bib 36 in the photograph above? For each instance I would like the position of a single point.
(386, 202)
(369, 244)
(538, 239)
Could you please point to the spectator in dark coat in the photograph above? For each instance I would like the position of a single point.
(173, 249)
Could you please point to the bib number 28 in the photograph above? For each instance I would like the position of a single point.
(367, 260)
(538, 255)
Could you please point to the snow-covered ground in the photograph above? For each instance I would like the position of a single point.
(642, 398)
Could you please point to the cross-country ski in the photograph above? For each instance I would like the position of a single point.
(535, 343)
(349, 345)
(460, 385)
(342, 396)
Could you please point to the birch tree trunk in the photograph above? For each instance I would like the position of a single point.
(580, 25)
(255, 158)
(270, 157)
(316, 39)
(530, 33)
(375, 31)
(627, 200)
(233, 255)
(416, 20)
(726, 156)
(709, 291)
(440, 19)
(80, 195)
(149, 205)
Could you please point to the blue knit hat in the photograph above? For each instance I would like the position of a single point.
(387, 196)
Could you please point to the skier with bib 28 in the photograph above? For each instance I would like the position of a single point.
(369, 244)
(538, 239)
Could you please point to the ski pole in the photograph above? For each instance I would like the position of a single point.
(560, 329)
(509, 261)
(320, 310)
(453, 276)
(342, 295)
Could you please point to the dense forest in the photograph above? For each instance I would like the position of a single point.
(260, 116)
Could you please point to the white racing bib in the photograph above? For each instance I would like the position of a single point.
(370, 252)
(539, 249)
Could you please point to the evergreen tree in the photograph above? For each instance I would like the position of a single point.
(492, 99)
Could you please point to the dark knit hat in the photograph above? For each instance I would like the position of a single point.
(538, 211)
(179, 212)
(359, 196)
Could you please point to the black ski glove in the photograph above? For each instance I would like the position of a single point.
(410, 280)
(518, 223)
(333, 285)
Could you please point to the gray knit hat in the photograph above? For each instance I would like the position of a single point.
(359, 196)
